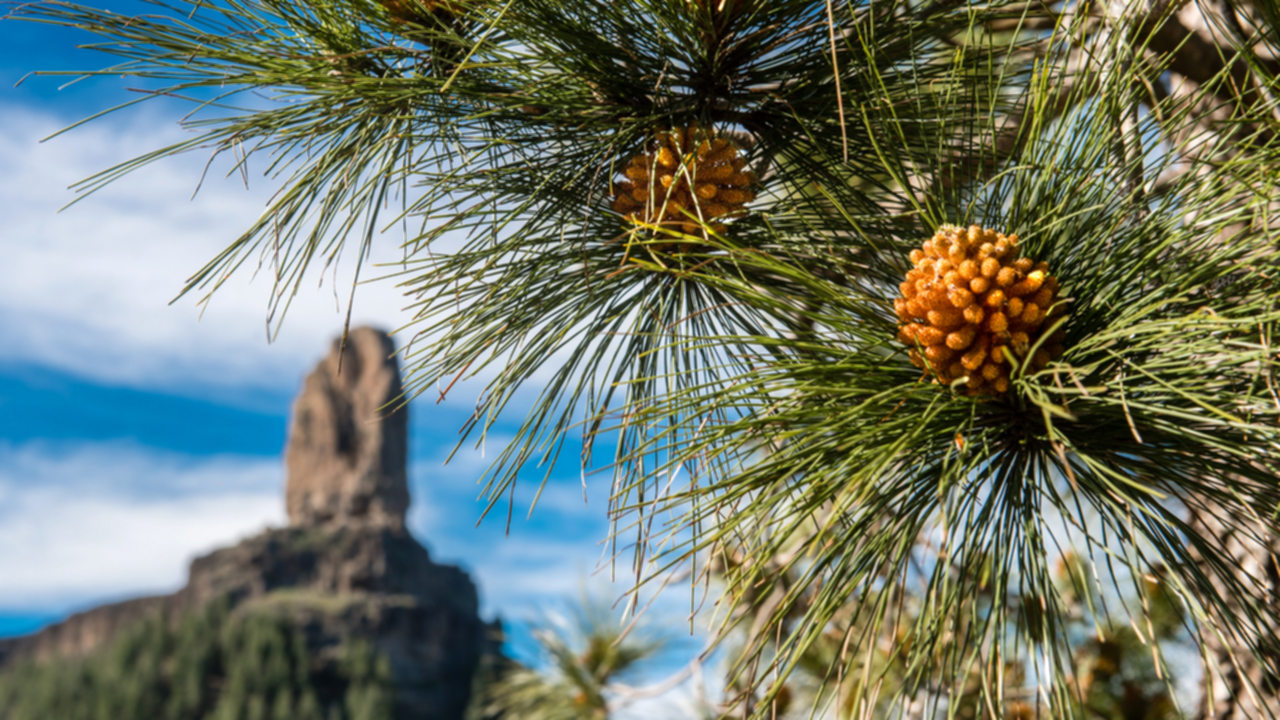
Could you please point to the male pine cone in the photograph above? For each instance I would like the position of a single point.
(685, 177)
(971, 308)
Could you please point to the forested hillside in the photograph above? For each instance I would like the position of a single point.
(215, 664)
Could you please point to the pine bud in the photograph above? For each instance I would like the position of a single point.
(684, 170)
(970, 293)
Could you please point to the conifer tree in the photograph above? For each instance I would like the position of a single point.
(886, 304)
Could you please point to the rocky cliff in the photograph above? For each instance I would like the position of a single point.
(346, 569)
(348, 442)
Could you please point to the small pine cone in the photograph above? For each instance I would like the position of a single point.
(971, 304)
(684, 176)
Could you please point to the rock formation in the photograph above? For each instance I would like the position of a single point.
(349, 440)
(346, 568)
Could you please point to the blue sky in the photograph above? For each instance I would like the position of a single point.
(136, 434)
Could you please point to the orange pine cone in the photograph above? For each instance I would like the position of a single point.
(684, 176)
(971, 305)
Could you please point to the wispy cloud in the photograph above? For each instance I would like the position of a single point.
(123, 470)
(81, 522)
(88, 290)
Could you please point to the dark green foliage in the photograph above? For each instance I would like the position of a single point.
(213, 665)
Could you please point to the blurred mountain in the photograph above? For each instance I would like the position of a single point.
(341, 615)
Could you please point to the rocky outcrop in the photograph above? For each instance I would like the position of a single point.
(346, 568)
(81, 633)
(348, 442)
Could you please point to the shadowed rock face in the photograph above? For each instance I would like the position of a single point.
(347, 450)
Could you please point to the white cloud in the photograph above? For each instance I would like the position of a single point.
(87, 290)
(124, 470)
(77, 523)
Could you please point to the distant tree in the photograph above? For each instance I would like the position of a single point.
(586, 658)
(885, 304)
